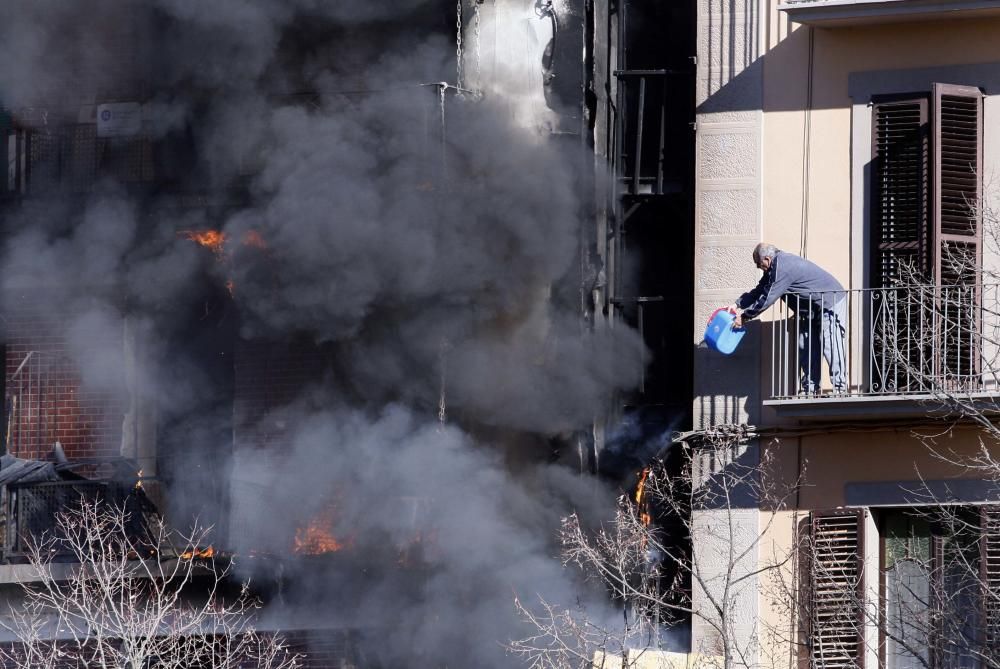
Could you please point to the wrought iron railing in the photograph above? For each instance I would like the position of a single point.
(908, 340)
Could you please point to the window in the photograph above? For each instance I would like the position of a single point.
(926, 178)
(906, 584)
(938, 588)
(926, 245)
(933, 593)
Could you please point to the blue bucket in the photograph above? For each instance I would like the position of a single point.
(720, 333)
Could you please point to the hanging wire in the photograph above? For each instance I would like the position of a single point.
(477, 24)
(443, 387)
(458, 42)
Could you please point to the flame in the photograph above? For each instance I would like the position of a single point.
(317, 538)
(214, 240)
(138, 484)
(195, 553)
(640, 490)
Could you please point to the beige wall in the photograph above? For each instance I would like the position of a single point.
(785, 174)
(831, 462)
(809, 204)
(837, 53)
(839, 467)
(773, 165)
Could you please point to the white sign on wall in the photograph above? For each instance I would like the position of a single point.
(119, 119)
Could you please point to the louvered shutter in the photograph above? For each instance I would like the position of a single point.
(900, 163)
(836, 569)
(957, 120)
(901, 230)
(958, 166)
(989, 564)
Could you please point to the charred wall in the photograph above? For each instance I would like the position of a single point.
(644, 124)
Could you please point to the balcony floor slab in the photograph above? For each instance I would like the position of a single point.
(874, 407)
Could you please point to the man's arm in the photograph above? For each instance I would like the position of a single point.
(758, 293)
(768, 290)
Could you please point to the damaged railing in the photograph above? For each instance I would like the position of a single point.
(27, 414)
(642, 112)
(30, 510)
(907, 340)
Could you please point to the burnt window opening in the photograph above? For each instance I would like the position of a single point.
(651, 248)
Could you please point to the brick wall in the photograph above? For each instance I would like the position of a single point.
(49, 400)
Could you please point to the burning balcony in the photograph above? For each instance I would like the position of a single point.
(33, 493)
(885, 346)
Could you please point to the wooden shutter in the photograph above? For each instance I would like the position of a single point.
(957, 122)
(901, 232)
(989, 565)
(837, 590)
(957, 179)
(900, 161)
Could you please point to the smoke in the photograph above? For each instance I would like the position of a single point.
(423, 241)
(439, 578)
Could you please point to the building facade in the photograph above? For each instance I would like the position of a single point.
(859, 135)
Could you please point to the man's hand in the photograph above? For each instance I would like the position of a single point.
(738, 321)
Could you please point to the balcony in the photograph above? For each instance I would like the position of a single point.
(30, 509)
(836, 13)
(899, 348)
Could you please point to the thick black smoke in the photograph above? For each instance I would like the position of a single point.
(416, 237)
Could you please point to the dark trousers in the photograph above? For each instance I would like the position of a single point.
(822, 330)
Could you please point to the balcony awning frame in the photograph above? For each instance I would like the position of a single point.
(842, 13)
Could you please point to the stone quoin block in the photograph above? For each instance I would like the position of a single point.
(727, 153)
(728, 213)
(729, 39)
(726, 268)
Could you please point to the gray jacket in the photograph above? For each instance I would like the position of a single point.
(791, 275)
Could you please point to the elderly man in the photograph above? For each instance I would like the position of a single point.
(818, 300)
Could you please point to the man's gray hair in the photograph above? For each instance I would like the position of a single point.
(764, 250)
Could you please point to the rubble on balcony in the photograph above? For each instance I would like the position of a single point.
(33, 492)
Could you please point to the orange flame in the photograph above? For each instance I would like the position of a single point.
(317, 538)
(195, 553)
(640, 490)
(213, 240)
